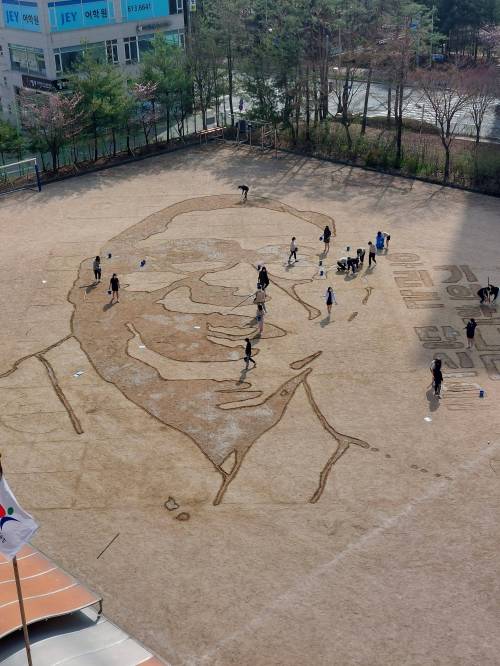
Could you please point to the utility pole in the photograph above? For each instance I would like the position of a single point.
(431, 41)
(186, 8)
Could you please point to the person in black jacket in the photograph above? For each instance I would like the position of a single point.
(470, 330)
(437, 376)
(114, 287)
(263, 278)
(327, 234)
(484, 294)
(360, 252)
(248, 354)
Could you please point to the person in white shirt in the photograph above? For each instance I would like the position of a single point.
(342, 264)
(260, 299)
(293, 250)
(371, 254)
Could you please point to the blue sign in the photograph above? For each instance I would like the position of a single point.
(21, 15)
(78, 14)
(138, 10)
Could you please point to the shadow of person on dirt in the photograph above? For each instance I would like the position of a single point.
(433, 400)
(109, 305)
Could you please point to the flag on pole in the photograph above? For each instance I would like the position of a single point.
(16, 526)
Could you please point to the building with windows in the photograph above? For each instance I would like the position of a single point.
(40, 40)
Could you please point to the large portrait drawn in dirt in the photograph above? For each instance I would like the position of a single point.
(174, 345)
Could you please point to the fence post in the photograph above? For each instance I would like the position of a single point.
(37, 173)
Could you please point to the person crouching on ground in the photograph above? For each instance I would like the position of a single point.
(484, 295)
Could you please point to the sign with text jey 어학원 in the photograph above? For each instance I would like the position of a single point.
(21, 15)
(78, 14)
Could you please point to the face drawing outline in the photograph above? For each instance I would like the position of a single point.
(174, 345)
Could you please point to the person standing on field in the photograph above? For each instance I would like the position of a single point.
(371, 254)
(248, 354)
(260, 298)
(97, 268)
(263, 278)
(293, 250)
(260, 318)
(330, 299)
(380, 240)
(470, 330)
(114, 287)
(437, 376)
(327, 234)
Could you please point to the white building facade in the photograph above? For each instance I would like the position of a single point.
(40, 40)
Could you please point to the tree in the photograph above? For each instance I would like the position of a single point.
(226, 20)
(145, 94)
(165, 66)
(102, 93)
(345, 87)
(52, 120)
(202, 55)
(448, 94)
(409, 33)
(483, 87)
(11, 140)
(462, 20)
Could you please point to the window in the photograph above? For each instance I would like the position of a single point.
(112, 51)
(1, 50)
(180, 6)
(145, 44)
(175, 37)
(68, 56)
(131, 50)
(27, 59)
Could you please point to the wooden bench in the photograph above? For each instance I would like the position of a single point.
(216, 133)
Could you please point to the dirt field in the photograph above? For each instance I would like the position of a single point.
(321, 508)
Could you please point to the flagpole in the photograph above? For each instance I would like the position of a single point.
(21, 608)
(20, 597)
